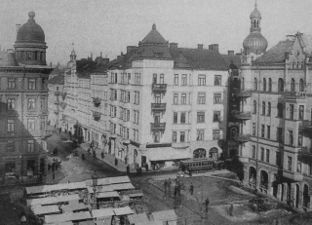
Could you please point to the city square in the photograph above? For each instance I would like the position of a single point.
(171, 125)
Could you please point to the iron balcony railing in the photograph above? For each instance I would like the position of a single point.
(155, 127)
(241, 115)
(159, 107)
(159, 88)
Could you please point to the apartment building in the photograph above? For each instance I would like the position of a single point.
(24, 106)
(273, 117)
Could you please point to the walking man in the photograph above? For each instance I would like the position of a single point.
(207, 204)
(169, 187)
(191, 189)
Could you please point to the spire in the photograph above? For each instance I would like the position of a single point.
(73, 54)
(154, 27)
(31, 15)
(256, 5)
(255, 18)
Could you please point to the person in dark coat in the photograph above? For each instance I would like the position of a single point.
(191, 189)
(207, 204)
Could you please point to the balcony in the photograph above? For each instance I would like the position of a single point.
(241, 115)
(158, 107)
(306, 128)
(292, 175)
(243, 93)
(295, 96)
(242, 138)
(158, 127)
(305, 152)
(159, 88)
(96, 102)
(96, 116)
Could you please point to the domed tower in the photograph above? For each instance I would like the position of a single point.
(255, 44)
(30, 45)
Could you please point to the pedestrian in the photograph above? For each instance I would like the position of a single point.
(190, 172)
(165, 186)
(231, 210)
(169, 187)
(191, 189)
(49, 166)
(207, 204)
(53, 175)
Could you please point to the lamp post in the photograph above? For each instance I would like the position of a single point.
(94, 184)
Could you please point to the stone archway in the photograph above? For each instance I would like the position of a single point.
(264, 179)
(252, 175)
(199, 153)
(306, 196)
(213, 153)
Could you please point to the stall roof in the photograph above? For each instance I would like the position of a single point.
(123, 211)
(109, 194)
(165, 215)
(55, 187)
(52, 200)
(167, 154)
(110, 180)
(67, 217)
(44, 210)
(61, 223)
(100, 213)
(73, 206)
(112, 187)
(138, 218)
(151, 222)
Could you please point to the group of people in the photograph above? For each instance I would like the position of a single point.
(54, 167)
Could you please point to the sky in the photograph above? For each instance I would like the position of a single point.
(109, 26)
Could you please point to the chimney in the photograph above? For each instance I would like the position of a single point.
(214, 47)
(230, 52)
(18, 26)
(101, 54)
(200, 46)
(173, 45)
(130, 48)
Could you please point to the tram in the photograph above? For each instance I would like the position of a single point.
(195, 165)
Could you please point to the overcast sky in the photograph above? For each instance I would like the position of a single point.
(108, 26)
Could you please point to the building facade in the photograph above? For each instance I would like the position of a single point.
(274, 116)
(24, 106)
(159, 103)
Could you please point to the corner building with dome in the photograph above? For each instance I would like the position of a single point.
(24, 106)
(273, 120)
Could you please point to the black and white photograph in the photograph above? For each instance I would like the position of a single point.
(155, 112)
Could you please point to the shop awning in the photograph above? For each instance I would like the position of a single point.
(167, 154)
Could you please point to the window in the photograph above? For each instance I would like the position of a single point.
(200, 117)
(31, 104)
(137, 78)
(216, 134)
(43, 105)
(30, 146)
(254, 106)
(42, 124)
(255, 84)
(263, 108)
(11, 126)
(291, 111)
(262, 130)
(10, 146)
(217, 98)
(301, 85)
(183, 99)
(243, 83)
(175, 117)
(254, 129)
(161, 78)
(136, 97)
(264, 84)
(175, 98)
(217, 80)
(174, 136)
(253, 152)
(291, 137)
(183, 117)
(156, 137)
(301, 112)
(30, 124)
(176, 80)
(277, 158)
(136, 116)
(11, 83)
(201, 98)
(154, 78)
(11, 103)
(292, 85)
(216, 116)
(268, 155)
(262, 154)
(289, 163)
(268, 131)
(300, 138)
(184, 80)
(200, 135)
(280, 110)
(31, 84)
(157, 98)
(269, 109)
(280, 85)
(182, 136)
(44, 84)
(270, 85)
(201, 80)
